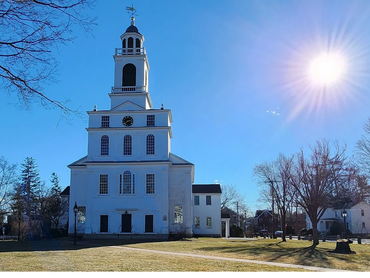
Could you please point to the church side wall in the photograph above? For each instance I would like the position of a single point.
(180, 182)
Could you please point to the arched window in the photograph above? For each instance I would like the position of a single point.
(124, 43)
(137, 44)
(127, 145)
(129, 75)
(104, 145)
(150, 144)
(130, 44)
(127, 183)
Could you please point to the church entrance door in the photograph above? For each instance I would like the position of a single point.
(126, 223)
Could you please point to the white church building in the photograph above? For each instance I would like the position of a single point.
(129, 183)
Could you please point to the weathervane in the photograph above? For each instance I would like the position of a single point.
(132, 12)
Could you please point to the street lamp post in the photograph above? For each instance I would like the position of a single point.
(344, 215)
(75, 210)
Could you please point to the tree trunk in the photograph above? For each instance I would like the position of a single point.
(342, 247)
(315, 236)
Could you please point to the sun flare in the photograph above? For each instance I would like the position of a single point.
(327, 69)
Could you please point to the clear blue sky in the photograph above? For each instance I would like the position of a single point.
(232, 72)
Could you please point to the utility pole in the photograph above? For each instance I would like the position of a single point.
(272, 205)
(273, 220)
(237, 212)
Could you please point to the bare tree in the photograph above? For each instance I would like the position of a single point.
(277, 176)
(30, 31)
(316, 179)
(232, 199)
(8, 178)
(230, 195)
(363, 149)
(357, 187)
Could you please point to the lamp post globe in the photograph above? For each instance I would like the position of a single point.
(75, 210)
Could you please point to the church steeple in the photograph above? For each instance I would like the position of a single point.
(131, 69)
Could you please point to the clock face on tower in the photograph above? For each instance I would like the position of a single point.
(127, 121)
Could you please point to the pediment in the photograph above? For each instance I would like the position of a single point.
(128, 105)
(178, 160)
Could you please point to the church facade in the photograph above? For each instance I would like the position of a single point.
(130, 183)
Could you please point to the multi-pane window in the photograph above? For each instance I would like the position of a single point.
(208, 200)
(104, 121)
(209, 222)
(178, 215)
(127, 145)
(81, 215)
(196, 200)
(150, 120)
(127, 183)
(104, 145)
(103, 188)
(150, 189)
(150, 144)
(197, 222)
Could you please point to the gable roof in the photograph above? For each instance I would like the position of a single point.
(176, 160)
(206, 188)
(260, 212)
(65, 192)
(128, 105)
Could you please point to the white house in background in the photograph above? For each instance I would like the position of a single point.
(130, 183)
(207, 218)
(357, 220)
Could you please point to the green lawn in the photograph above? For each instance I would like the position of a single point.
(62, 255)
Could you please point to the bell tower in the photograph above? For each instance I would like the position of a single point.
(131, 70)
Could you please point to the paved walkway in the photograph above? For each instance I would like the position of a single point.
(303, 267)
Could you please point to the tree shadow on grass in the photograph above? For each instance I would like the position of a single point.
(62, 244)
(277, 252)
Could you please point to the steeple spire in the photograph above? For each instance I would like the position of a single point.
(132, 12)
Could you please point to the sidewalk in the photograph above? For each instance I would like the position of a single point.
(303, 267)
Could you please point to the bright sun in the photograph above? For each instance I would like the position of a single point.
(327, 69)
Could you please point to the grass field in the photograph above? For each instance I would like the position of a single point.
(62, 255)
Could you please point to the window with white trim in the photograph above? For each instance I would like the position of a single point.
(104, 121)
(150, 184)
(197, 222)
(103, 188)
(104, 145)
(127, 145)
(178, 218)
(208, 200)
(150, 120)
(209, 222)
(196, 200)
(127, 183)
(150, 143)
(81, 215)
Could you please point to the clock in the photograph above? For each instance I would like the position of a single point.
(127, 121)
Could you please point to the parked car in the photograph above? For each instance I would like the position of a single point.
(264, 233)
(279, 233)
